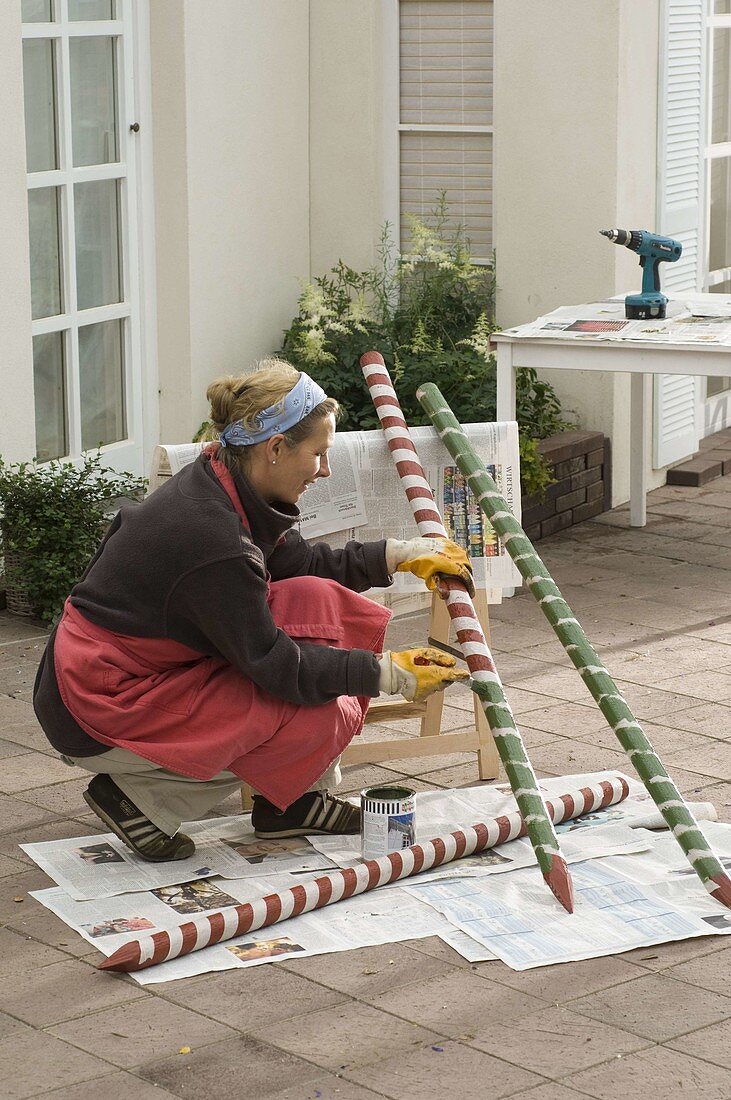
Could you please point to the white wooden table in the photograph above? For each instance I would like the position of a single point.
(641, 360)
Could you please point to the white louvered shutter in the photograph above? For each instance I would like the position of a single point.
(445, 118)
(680, 163)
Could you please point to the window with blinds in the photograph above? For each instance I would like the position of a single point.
(445, 115)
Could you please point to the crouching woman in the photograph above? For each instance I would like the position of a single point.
(208, 643)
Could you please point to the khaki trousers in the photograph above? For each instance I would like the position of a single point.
(166, 797)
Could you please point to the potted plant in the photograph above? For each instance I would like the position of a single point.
(53, 516)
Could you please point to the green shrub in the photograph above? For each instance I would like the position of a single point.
(430, 314)
(52, 518)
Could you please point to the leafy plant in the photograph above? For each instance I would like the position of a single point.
(205, 433)
(52, 518)
(430, 314)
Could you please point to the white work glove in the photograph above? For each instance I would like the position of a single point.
(430, 559)
(418, 673)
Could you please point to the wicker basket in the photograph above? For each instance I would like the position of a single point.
(16, 593)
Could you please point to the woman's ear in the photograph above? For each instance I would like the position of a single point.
(274, 447)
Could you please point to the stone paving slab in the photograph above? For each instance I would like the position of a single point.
(132, 1034)
(350, 1034)
(656, 1074)
(656, 1007)
(242, 1066)
(415, 1020)
(33, 1062)
(111, 1084)
(444, 1069)
(556, 1042)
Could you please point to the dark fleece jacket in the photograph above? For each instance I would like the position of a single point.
(183, 566)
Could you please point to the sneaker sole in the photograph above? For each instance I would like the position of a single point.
(283, 834)
(119, 832)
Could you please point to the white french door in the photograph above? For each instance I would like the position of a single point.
(83, 202)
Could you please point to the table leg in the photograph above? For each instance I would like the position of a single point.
(505, 382)
(639, 449)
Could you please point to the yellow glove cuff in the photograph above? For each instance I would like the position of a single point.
(446, 559)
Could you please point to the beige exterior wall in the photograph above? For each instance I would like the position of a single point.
(231, 162)
(269, 164)
(17, 428)
(575, 153)
(346, 132)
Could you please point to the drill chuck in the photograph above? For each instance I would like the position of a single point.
(622, 236)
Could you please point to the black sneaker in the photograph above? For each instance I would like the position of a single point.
(137, 831)
(315, 812)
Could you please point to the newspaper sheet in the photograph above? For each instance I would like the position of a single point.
(101, 866)
(688, 321)
(365, 500)
(620, 904)
(389, 512)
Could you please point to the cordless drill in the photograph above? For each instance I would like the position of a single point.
(653, 251)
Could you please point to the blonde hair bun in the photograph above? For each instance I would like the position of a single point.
(242, 398)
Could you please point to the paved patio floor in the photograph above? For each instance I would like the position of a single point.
(413, 1020)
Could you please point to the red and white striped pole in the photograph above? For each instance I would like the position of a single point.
(238, 920)
(485, 679)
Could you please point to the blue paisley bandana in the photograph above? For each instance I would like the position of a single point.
(305, 395)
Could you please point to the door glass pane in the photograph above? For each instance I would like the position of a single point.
(50, 396)
(98, 275)
(718, 385)
(721, 7)
(721, 91)
(91, 9)
(40, 113)
(720, 229)
(101, 381)
(45, 251)
(93, 113)
(36, 11)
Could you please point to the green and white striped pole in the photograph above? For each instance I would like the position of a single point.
(485, 677)
(613, 706)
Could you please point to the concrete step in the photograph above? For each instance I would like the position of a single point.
(711, 461)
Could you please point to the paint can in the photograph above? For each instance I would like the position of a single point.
(387, 820)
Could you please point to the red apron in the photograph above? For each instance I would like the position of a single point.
(199, 715)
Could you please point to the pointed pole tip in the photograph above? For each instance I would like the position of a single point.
(123, 960)
(559, 880)
(722, 892)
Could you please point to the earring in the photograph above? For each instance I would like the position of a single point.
(274, 462)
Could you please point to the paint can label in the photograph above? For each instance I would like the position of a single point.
(388, 820)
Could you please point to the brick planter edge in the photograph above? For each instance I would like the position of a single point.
(581, 465)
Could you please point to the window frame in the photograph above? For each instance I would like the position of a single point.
(713, 150)
(394, 127)
(127, 453)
